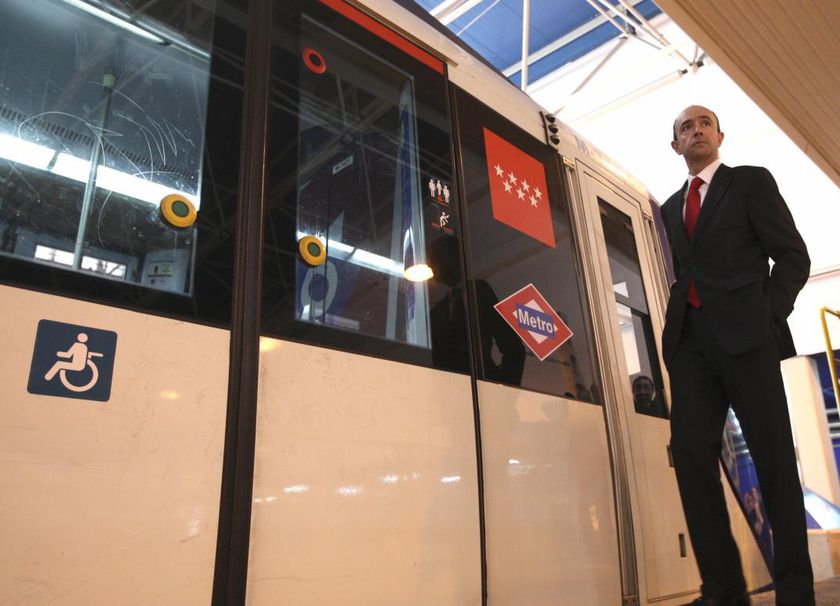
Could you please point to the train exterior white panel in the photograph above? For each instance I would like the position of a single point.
(365, 483)
(551, 532)
(666, 573)
(112, 502)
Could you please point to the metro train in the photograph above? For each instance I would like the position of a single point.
(305, 304)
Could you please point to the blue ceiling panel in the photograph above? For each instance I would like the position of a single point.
(579, 47)
(493, 28)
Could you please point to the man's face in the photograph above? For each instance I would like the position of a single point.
(643, 390)
(698, 137)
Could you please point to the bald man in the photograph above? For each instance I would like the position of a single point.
(725, 334)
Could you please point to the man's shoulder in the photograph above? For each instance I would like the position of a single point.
(673, 199)
(747, 172)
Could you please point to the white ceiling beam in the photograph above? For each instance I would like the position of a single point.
(561, 42)
(446, 12)
(445, 5)
(650, 29)
(526, 26)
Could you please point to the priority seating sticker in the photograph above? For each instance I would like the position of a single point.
(72, 361)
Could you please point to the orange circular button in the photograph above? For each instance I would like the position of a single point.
(178, 211)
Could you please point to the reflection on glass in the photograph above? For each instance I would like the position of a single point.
(503, 260)
(360, 158)
(632, 313)
(102, 114)
(359, 193)
(744, 481)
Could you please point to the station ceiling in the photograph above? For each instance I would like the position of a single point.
(560, 30)
(783, 54)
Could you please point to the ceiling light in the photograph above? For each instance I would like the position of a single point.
(116, 19)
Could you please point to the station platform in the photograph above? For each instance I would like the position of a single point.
(828, 594)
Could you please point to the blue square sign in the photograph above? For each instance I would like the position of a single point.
(71, 361)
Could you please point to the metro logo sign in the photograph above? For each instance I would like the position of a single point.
(518, 191)
(533, 319)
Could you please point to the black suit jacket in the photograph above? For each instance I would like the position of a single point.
(743, 222)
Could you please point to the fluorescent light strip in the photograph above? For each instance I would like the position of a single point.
(69, 166)
(357, 256)
(24, 152)
(116, 19)
(77, 169)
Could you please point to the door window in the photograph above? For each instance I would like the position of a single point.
(519, 234)
(632, 312)
(360, 168)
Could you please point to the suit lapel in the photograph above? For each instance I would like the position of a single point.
(679, 237)
(713, 197)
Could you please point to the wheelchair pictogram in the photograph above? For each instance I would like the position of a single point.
(72, 361)
(80, 358)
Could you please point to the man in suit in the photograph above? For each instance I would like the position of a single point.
(725, 334)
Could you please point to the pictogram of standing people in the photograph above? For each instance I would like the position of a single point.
(439, 191)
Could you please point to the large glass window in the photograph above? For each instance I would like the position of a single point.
(103, 106)
(519, 238)
(360, 167)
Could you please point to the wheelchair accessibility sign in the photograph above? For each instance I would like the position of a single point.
(72, 361)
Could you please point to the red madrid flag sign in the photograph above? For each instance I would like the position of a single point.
(518, 192)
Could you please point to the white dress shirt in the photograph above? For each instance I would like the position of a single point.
(706, 174)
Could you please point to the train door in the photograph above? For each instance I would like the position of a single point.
(365, 475)
(118, 182)
(631, 298)
(550, 520)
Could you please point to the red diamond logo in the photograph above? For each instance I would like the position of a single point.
(533, 319)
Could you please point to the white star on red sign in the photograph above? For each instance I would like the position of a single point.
(524, 189)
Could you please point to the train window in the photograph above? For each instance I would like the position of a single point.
(519, 239)
(103, 172)
(633, 315)
(360, 193)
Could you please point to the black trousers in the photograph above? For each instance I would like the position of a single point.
(705, 381)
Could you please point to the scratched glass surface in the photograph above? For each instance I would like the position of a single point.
(102, 112)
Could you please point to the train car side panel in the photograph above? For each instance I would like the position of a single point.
(551, 534)
(365, 482)
(103, 500)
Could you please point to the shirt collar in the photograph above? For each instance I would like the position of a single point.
(707, 173)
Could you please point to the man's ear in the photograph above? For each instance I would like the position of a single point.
(676, 147)
(720, 139)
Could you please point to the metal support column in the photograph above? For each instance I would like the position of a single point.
(526, 23)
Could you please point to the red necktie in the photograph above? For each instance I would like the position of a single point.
(692, 210)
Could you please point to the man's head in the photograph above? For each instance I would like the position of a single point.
(644, 391)
(697, 137)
